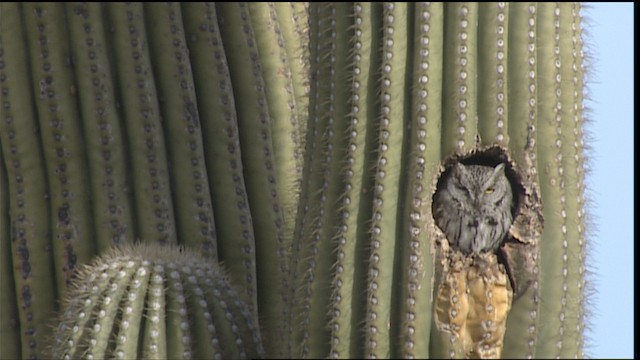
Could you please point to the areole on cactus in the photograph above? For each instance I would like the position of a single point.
(296, 148)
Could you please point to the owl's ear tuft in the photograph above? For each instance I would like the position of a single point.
(459, 168)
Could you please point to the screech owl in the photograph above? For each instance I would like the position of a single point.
(473, 207)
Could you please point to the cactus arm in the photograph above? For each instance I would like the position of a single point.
(236, 241)
(61, 136)
(105, 150)
(493, 36)
(32, 261)
(195, 224)
(459, 122)
(259, 165)
(152, 198)
(118, 305)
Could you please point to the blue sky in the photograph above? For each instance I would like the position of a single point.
(609, 37)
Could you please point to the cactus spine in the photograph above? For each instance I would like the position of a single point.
(298, 145)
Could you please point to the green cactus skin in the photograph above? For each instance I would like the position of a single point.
(146, 302)
(236, 240)
(281, 100)
(335, 251)
(256, 129)
(61, 135)
(9, 316)
(29, 241)
(414, 313)
(153, 205)
(105, 152)
(560, 164)
(181, 121)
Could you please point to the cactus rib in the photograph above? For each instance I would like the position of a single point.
(105, 151)
(30, 243)
(61, 134)
(195, 224)
(153, 204)
(236, 240)
(259, 166)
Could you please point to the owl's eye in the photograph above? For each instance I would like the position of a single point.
(489, 190)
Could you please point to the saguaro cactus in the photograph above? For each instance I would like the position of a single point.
(400, 92)
(299, 146)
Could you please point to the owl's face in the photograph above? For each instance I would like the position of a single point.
(480, 186)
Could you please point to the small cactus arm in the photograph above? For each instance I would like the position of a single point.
(145, 302)
(299, 145)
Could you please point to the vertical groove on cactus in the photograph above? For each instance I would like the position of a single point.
(347, 284)
(308, 209)
(9, 315)
(236, 241)
(460, 88)
(280, 97)
(562, 253)
(61, 136)
(137, 89)
(30, 246)
(416, 264)
(259, 167)
(195, 224)
(522, 325)
(493, 95)
(105, 151)
(318, 255)
(292, 19)
(386, 190)
(145, 302)
(550, 113)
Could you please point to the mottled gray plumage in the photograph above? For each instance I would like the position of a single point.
(473, 207)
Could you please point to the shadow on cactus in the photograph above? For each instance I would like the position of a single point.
(148, 301)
